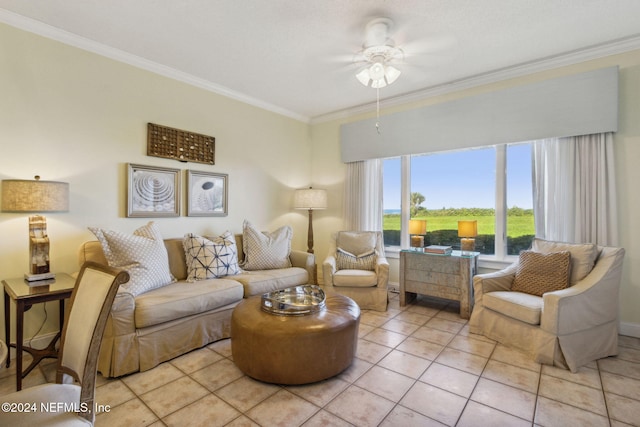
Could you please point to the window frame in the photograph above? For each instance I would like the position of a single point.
(500, 258)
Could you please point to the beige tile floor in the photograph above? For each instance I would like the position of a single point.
(415, 366)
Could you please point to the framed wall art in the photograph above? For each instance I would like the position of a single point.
(153, 191)
(207, 193)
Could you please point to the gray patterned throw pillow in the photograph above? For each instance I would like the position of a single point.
(349, 261)
(142, 254)
(266, 251)
(210, 258)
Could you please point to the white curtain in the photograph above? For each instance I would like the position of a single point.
(363, 196)
(575, 190)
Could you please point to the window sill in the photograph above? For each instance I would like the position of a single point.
(485, 261)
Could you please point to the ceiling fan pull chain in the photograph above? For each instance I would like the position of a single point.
(378, 110)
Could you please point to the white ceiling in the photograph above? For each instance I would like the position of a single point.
(295, 56)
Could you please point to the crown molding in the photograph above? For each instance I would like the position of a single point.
(594, 52)
(51, 32)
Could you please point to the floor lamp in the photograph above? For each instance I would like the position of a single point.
(310, 199)
(36, 197)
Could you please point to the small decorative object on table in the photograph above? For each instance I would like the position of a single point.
(295, 301)
(438, 250)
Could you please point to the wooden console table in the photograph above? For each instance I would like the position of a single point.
(442, 276)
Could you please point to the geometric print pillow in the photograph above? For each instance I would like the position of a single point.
(142, 254)
(266, 251)
(210, 258)
(349, 261)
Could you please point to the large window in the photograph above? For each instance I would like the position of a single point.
(490, 185)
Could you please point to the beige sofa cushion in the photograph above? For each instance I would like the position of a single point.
(183, 299)
(355, 278)
(524, 307)
(539, 273)
(263, 281)
(583, 256)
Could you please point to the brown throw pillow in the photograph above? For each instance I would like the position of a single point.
(539, 273)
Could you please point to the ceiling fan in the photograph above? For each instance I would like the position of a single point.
(378, 52)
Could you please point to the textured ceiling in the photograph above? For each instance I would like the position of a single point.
(296, 57)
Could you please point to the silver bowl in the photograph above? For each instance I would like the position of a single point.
(294, 301)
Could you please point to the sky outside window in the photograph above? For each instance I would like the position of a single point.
(462, 179)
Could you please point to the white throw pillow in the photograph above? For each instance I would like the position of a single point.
(266, 251)
(210, 258)
(356, 242)
(142, 254)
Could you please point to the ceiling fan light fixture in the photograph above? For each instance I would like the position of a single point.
(391, 74)
(377, 71)
(364, 77)
(377, 84)
(377, 52)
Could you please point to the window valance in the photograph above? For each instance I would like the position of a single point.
(579, 104)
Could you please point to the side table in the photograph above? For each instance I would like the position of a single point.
(442, 276)
(25, 295)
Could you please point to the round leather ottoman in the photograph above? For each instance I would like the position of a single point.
(294, 349)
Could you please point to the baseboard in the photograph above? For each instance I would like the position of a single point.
(41, 341)
(630, 329)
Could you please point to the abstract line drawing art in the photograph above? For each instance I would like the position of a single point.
(153, 191)
(207, 193)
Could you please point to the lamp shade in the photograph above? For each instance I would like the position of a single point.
(467, 228)
(34, 196)
(417, 226)
(310, 198)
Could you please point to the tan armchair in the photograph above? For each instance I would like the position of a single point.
(567, 328)
(357, 268)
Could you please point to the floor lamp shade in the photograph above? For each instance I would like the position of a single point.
(310, 198)
(36, 197)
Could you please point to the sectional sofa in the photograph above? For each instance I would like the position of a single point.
(147, 329)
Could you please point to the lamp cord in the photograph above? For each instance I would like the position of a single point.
(41, 325)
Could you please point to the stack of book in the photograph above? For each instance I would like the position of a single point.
(437, 249)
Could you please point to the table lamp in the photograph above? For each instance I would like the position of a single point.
(467, 231)
(36, 196)
(417, 230)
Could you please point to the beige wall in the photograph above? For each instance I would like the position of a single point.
(328, 171)
(74, 116)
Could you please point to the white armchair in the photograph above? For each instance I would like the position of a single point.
(357, 268)
(567, 328)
